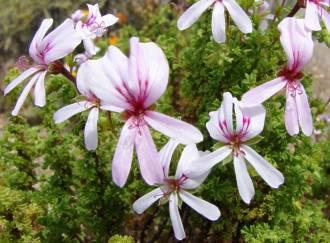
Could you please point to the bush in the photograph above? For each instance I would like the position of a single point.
(53, 190)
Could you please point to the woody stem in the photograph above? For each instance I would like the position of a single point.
(299, 4)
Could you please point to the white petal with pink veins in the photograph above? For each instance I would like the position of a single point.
(90, 133)
(60, 42)
(192, 14)
(270, 174)
(226, 113)
(256, 116)
(37, 39)
(149, 71)
(214, 129)
(304, 112)
(219, 23)
(243, 180)
(201, 206)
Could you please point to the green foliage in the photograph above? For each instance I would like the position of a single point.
(53, 190)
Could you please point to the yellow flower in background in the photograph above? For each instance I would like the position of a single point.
(113, 40)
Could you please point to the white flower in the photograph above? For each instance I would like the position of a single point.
(175, 188)
(240, 18)
(249, 124)
(94, 26)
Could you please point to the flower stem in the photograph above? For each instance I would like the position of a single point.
(58, 68)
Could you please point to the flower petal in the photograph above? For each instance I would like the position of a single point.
(203, 164)
(270, 174)
(243, 179)
(61, 41)
(311, 16)
(263, 92)
(147, 200)
(175, 217)
(192, 14)
(326, 18)
(257, 115)
(149, 71)
(297, 42)
(70, 110)
(226, 112)
(304, 112)
(179, 130)
(213, 127)
(149, 162)
(109, 20)
(238, 15)
(39, 91)
(201, 206)
(90, 47)
(165, 155)
(122, 159)
(24, 94)
(291, 114)
(188, 155)
(91, 137)
(219, 23)
(37, 39)
(27, 73)
(106, 77)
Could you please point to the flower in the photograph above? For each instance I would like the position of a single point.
(298, 45)
(44, 50)
(95, 25)
(172, 189)
(314, 9)
(133, 85)
(264, 10)
(92, 103)
(240, 18)
(249, 124)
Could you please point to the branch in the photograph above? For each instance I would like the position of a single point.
(299, 4)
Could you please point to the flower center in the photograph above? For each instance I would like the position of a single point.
(293, 80)
(174, 185)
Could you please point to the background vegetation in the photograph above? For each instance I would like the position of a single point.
(53, 190)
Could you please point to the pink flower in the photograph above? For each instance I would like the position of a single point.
(239, 17)
(249, 124)
(44, 50)
(298, 45)
(92, 103)
(94, 26)
(133, 85)
(173, 189)
(316, 9)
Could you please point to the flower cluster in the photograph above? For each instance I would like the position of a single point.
(131, 85)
